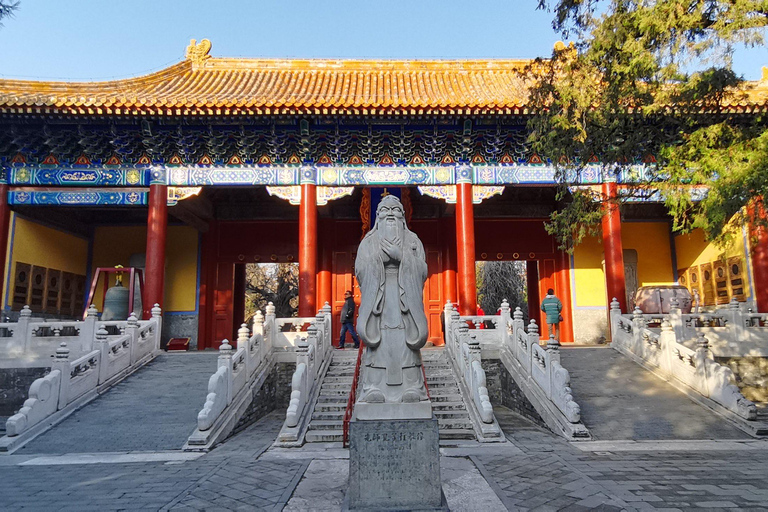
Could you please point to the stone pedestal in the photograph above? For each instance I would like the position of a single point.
(394, 465)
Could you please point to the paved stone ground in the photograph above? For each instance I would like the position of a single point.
(153, 409)
(534, 470)
(621, 400)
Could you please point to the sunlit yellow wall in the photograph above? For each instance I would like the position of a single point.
(115, 245)
(654, 261)
(654, 254)
(693, 249)
(589, 278)
(39, 245)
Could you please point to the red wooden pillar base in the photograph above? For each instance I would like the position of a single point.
(308, 250)
(157, 228)
(465, 249)
(759, 245)
(612, 247)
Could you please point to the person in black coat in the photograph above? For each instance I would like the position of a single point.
(348, 320)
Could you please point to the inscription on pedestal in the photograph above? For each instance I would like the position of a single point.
(394, 464)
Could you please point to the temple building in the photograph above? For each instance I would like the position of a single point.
(192, 172)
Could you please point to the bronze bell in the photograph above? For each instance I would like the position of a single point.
(116, 302)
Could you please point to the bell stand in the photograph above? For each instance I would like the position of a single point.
(133, 272)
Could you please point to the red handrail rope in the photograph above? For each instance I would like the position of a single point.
(424, 373)
(351, 399)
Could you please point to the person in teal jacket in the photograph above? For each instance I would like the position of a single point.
(552, 306)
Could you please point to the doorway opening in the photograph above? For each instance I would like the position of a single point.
(499, 280)
(277, 283)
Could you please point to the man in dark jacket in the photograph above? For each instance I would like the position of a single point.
(348, 320)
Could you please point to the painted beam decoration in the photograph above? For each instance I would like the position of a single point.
(78, 198)
(327, 175)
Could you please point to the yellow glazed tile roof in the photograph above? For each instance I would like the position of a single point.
(201, 85)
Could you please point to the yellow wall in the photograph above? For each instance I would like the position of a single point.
(115, 245)
(39, 245)
(654, 261)
(693, 249)
(589, 277)
(654, 254)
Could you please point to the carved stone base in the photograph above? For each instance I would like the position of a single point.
(394, 411)
(394, 465)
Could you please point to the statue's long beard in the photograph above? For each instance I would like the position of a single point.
(392, 230)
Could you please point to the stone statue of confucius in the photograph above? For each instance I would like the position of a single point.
(391, 269)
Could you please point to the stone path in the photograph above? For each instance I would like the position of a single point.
(621, 400)
(153, 409)
(534, 470)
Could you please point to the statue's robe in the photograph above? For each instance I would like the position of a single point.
(391, 351)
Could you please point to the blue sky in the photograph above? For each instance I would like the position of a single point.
(99, 40)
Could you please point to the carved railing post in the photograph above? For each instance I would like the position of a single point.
(132, 329)
(553, 348)
(447, 310)
(533, 333)
(737, 324)
(676, 319)
(455, 330)
(242, 337)
(225, 360)
(504, 318)
(270, 328)
(102, 345)
(321, 328)
(615, 314)
(88, 330)
(21, 332)
(313, 345)
(459, 349)
(667, 344)
(61, 363)
(258, 323)
(157, 316)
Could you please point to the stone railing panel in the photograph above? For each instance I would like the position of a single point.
(83, 377)
(665, 351)
(115, 354)
(215, 401)
(42, 402)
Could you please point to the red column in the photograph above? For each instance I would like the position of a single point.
(532, 281)
(465, 249)
(324, 282)
(308, 250)
(449, 265)
(759, 245)
(563, 285)
(614, 255)
(157, 227)
(5, 223)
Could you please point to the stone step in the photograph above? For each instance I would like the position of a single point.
(324, 436)
(333, 399)
(459, 433)
(458, 405)
(328, 392)
(328, 415)
(454, 422)
(330, 406)
(326, 424)
(451, 414)
(337, 378)
(335, 386)
(445, 391)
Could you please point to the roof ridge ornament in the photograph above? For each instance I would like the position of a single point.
(198, 52)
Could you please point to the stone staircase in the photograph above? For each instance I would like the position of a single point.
(327, 418)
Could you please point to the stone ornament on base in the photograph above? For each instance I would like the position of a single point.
(394, 456)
